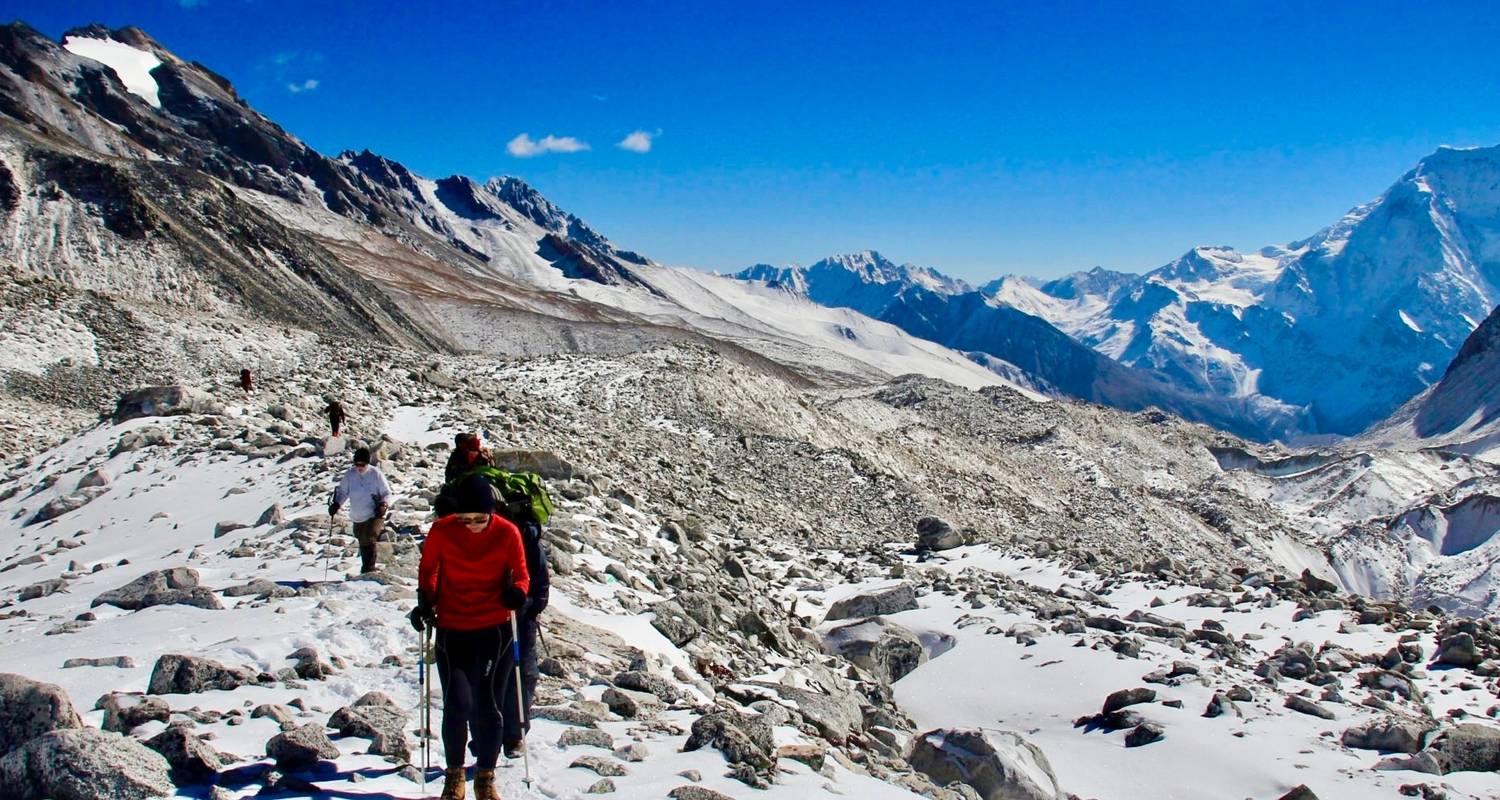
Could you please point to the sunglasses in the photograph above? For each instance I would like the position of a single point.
(473, 520)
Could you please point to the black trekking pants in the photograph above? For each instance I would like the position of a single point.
(475, 669)
(529, 674)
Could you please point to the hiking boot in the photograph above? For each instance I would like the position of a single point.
(366, 558)
(453, 783)
(484, 785)
(514, 748)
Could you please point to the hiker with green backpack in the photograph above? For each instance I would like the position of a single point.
(520, 498)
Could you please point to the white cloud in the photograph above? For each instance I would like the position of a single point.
(523, 146)
(638, 141)
(305, 86)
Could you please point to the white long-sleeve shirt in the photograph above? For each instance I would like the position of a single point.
(363, 491)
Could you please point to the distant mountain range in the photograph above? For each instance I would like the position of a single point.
(129, 171)
(1327, 335)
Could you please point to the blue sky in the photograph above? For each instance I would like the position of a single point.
(977, 138)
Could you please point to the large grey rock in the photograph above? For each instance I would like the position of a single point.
(1468, 748)
(84, 764)
(164, 401)
(62, 504)
(123, 711)
(646, 682)
(301, 747)
(936, 534)
(998, 765)
(31, 708)
(192, 760)
(1128, 697)
(890, 600)
(673, 622)
(742, 738)
(180, 674)
(837, 716)
(368, 721)
(545, 463)
(178, 585)
(1388, 734)
(880, 647)
(1459, 650)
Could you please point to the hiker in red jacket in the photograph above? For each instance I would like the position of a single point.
(472, 577)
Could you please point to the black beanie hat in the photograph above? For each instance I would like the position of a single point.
(362, 455)
(473, 496)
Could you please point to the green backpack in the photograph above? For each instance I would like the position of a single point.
(519, 496)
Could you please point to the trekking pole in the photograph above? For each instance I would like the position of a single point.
(515, 651)
(423, 710)
(426, 708)
(327, 545)
(546, 650)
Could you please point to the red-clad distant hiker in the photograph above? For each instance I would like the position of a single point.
(335, 412)
(245, 382)
(471, 579)
(369, 497)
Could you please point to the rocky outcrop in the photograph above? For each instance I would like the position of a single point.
(164, 401)
(182, 674)
(31, 708)
(300, 747)
(998, 765)
(880, 602)
(84, 764)
(176, 586)
(881, 647)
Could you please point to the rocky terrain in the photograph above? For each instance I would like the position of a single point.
(798, 551)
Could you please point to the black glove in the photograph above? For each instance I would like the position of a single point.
(512, 597)
(380, 510)
(333, 509)
(422, 617)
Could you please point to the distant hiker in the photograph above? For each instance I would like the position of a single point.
(335, 412)
(472, 577)
(369, 497)
(536, 602)
(468, 454)
(245, 382)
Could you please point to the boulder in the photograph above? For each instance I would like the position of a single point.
(673, 622)
(690, 792)
(646, 682)
(1127, 697)
(84, 764)
(301, 747)
(998, 765)
(368, 721)
(271, 516)
(122, 662)
(1459, 650)
(1388, 734)
(123, 711)
(837, 716)
(1299, 792)
(1144, 734)
(631, 704)
(936, 534)
(161, 587)
(882, 648)
(1468, 748)
(62, 504)
(31, 708)
(181, 674)
(545, 463)
(592, 737)
(890, 600)
(164, 401)
(192, 760)
(94, 478)
(742, 738)
(1305, 705)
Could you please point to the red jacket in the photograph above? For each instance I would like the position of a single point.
(465, 571)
